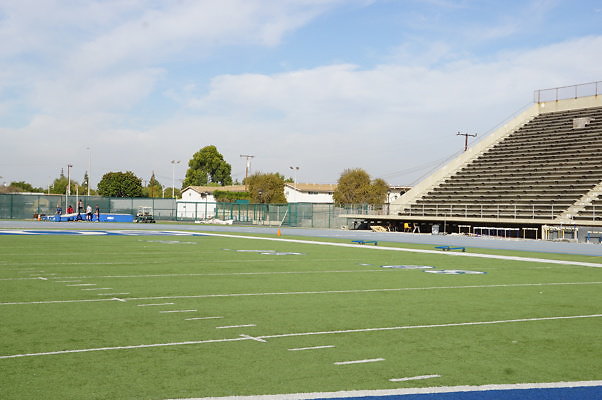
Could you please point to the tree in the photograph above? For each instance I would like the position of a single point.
(85, 183)
(120, 184)
(266, 188)
(23, 186)
(354, 187)
(59, 186)
(154, 188)
(208, 166)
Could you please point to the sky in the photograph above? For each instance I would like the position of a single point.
(322, 85)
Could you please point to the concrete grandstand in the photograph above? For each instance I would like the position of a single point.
(536, 176)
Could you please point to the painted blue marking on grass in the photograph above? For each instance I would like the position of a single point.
(99, 233)
(573, 393)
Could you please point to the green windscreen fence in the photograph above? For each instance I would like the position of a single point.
(306, 215)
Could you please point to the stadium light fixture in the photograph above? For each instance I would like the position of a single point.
(173, 177)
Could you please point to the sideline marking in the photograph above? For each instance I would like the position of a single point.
(312, 348)
(202, 296)
(155, 304)
(234, 326)
(175, 311)
(409, 391)
(359, 361)
(82, 284)
(98, 288)
(118, 299)
(392, 328)
(194, 319)
(414, 378)
(447, 253)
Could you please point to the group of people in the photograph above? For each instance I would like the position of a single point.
(80, 210)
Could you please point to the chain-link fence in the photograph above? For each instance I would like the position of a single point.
(308, 215)
(25, 206)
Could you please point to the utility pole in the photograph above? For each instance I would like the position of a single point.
(466, 135)
(248, 168)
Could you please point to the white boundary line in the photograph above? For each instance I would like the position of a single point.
(176, 311)
(203, 296)
(155, 304)
(197, 318)
(390, 392)
(361, 330)
(444, 253)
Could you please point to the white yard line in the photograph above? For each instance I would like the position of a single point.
(111, 294)
(312, 348)
(202, 296)
(408, 391)
(176, 311)
(155, 304)
(359, 361)
(198, 318)
(234, 326)
(82, 284)
(361, 330)
(99, 288)
(414, 378)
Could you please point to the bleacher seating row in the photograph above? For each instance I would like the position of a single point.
(538, 172)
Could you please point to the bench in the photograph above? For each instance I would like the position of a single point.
(448, 248)
(365, 242)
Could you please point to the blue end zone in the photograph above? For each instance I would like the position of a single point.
(577, 393)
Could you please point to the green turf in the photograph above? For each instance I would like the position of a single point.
(275, 294)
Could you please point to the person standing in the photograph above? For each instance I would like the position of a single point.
(89, 213)
(97, 210)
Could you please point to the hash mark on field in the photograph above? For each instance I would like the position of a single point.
(359, 361)
(234, 326)
(177, 311)
(312, 348)
(414, 378)
(193, 319)
(155, 304)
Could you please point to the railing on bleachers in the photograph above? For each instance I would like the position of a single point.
(568, 92)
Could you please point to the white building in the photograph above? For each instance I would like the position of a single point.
(309, 192)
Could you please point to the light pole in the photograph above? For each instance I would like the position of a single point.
(173, 177)
(295, 170)
(68, 191)
(89, 169)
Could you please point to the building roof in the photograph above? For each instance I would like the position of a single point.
(312, 187)
(212, 189)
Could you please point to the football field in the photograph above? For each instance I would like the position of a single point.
(174, 315)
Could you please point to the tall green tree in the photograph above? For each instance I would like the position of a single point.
(266, 188)
(355, 187)
(120, 184)
(154, 188)
(59, 186)
(208, 166)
